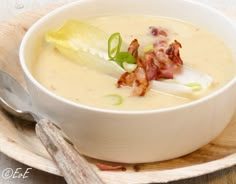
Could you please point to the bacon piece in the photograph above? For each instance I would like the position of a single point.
(151, 67)
(105, 167)
(161, 62)
(166, 74)
(173, 52)
(133, 48)
(163, 33)
(167, 58)
(158, 31)
(141, 83)
(158, 65)
(136, 79)
(152, 70)
(161, 57)
(126, 79)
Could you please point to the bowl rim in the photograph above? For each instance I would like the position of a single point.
(113, 111)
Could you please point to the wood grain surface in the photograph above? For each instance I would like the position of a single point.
(214, 163)
(72, 165)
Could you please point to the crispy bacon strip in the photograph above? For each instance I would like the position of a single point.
(133, 48)
(167, 58)
(173, 52)
(141, 83)
(136, 79)
(151, 67)
(105, 167)
(158, 65)
(126, 79)
(161, 62)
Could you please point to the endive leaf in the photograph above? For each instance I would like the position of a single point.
(192, 76)
(84, 44)
(76, 36)
(176, 89)
(93, 61)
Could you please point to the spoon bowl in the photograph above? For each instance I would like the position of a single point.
(14, 98)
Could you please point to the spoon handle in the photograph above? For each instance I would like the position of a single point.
(73, 166)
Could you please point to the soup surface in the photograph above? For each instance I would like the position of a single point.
(201, 50)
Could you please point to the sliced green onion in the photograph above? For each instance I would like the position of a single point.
(114, 45)
(194, 86)
(148, 48)
(114, 54)
(114, 99)
(122, 57)
(129, 67)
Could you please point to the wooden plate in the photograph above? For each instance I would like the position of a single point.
(18, 139)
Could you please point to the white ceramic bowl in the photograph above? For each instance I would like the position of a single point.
(135, 136)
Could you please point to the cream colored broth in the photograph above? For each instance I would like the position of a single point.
(201, 50)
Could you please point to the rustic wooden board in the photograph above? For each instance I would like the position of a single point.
(18, 139)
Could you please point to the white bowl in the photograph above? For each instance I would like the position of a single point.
(135, 136)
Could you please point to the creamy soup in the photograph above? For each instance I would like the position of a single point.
(201, 50)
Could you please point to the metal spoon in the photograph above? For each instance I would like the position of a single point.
(15, 100)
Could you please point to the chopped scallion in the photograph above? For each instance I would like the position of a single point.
(122, 57)
(114, 45)
(114, 99)
(194, 86)
(114, 54)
